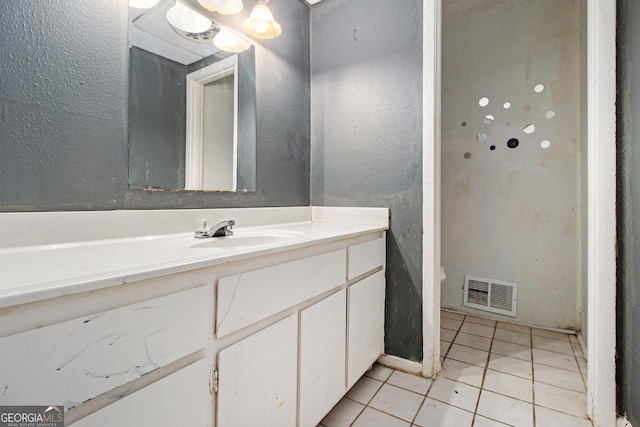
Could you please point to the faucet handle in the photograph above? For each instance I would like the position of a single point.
(204, 226)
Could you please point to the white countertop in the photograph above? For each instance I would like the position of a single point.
(38, 272)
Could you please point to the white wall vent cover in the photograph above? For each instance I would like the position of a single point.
(496, 296)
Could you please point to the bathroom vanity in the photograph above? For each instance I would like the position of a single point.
(136, 322)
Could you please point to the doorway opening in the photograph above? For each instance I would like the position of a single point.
(596, 186)
(212, 127)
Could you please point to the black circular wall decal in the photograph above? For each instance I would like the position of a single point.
(513, 143)
(493, 147)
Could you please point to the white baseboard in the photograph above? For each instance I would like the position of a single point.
(401, 364)
(622, 422)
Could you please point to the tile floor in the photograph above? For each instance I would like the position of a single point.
(494, 374)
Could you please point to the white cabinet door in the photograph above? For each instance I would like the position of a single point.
(77, 360)
(322, 357)
(366, 325)
(180, 399)
(258, 378)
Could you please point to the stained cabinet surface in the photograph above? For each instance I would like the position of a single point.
(179, 399)
(77, 360)
(273, 343)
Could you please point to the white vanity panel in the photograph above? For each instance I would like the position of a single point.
(258, 378)
(286, 337)
(366, 325)
(180, 399)
(77, 360)
(246, 298)
(366, 256)
(322, 357)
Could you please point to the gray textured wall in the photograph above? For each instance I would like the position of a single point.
(63, 110)
(366, 116)
(63, 74)
(157, 120)
(628, 316)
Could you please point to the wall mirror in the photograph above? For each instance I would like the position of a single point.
(192, 107)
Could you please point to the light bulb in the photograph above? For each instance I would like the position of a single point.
(186, 19)
(262, 26)
(232, 7)
(230, 42)
(223, 7)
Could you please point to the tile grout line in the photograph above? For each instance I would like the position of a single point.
(575, 356)
(359, 413)
(366, 405)
(531, 348)
(424, 399)
(485, 371)
(475, 414)
(484, 375)
(559, 368)
(452, 341)
(413, 420)
(433, 380)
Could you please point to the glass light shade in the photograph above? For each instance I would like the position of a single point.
(223, 7)
(143, 4)
(232, 7)
(212, 5)
(185, 19)
(230, 42)
(260, 24)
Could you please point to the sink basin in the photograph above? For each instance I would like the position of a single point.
(242, 239)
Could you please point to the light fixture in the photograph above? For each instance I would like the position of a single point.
(186, 19)
(223, 7)
(230, 42)
(143, 4)
(260, 24)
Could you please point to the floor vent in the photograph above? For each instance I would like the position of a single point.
(496, 296)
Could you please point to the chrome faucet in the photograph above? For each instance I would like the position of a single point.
(223, 228)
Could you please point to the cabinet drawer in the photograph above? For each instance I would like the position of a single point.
(246, 298)
(77, 360)
(366, 256)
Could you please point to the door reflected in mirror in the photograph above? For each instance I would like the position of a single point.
(212, 144)
(192, 108)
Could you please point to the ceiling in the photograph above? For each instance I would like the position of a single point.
(150, 30)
